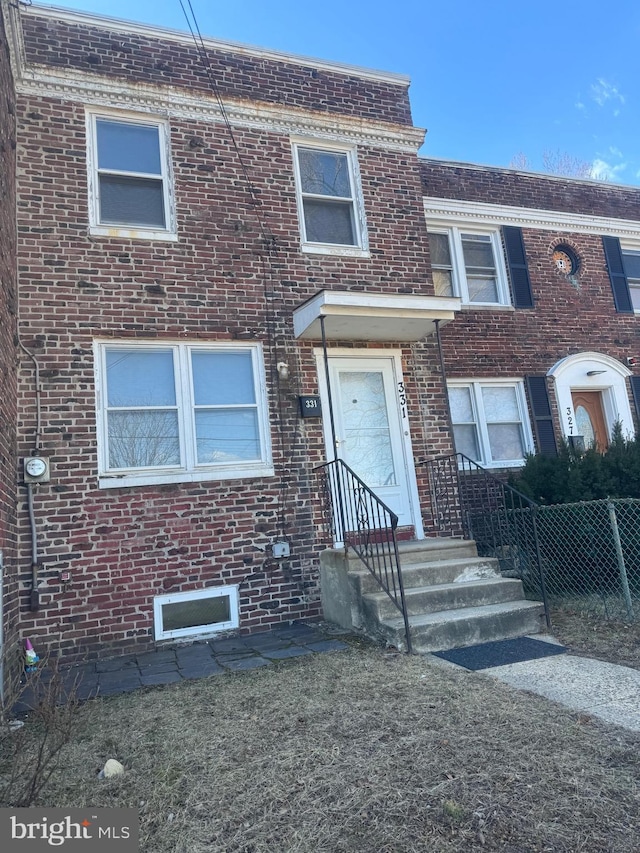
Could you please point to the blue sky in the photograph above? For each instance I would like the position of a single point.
(490, 81)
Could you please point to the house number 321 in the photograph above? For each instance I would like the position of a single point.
(402, 399)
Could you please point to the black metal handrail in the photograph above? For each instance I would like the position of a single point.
(361, 521)
(467, 500)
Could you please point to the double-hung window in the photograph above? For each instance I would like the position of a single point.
(329, 200)
(490, 422)
(180, 412)
(468, 263)
(129, 177)
(631, 261)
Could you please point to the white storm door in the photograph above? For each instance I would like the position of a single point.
(371, 430)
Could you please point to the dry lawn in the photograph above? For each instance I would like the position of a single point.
(361, 751)
(592, 636)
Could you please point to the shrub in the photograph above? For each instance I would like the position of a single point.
(571, 476)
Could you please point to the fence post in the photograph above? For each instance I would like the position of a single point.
(621, 566)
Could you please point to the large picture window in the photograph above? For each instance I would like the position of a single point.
(490, 422)
(181, 412)
(328, 199)
(129, 176)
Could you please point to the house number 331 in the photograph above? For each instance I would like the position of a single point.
(402, 399)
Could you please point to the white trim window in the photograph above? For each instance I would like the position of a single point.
(130, 184)
(180, 412)
(468, 262)
(631, 260)
(330, 204)
(187, 614)
(490, 421)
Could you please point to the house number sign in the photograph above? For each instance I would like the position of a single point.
(570, 420)
(402, 399)
(310, 407)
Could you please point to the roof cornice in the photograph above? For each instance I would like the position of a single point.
(168, 34)
(481, 213)
(93, 90)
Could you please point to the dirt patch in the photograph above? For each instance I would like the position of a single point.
(590, 636)
(356, 751)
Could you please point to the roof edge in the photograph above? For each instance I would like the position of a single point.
(152, 31)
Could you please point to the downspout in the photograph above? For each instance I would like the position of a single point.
(443, 375)
(34, 601)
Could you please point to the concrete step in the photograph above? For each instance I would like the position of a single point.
(428, 574)
(450, 596)
(451, 629)
(423, 551)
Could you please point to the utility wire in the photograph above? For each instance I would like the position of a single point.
(270, 244)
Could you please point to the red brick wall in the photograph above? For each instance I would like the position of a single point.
(568, 318)
(8, 413)
(142, 59)
(522, 189)
(123, 546)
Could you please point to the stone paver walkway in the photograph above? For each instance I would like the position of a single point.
(199, 660)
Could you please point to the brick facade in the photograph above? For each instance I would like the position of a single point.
(8, 354)
(569, 317)
(235, 271)
(232, 274)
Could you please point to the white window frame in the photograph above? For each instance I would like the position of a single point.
(360, 248)
(196, 630)
(189, 470)
(137, 232)
(476, 386)
(628, 248)
(458, 269)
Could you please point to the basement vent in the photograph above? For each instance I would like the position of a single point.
(185, 614)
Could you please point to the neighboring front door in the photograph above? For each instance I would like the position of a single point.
(372, 429)
(590, 420)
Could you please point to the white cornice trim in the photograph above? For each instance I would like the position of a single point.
(167, 101)
(481, 213)
(131, 27)
(10, 14)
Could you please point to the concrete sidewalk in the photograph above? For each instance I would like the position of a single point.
(605, 690)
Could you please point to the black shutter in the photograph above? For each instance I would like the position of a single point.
(518, 270)
(617, 275)
(635, 387)
(542, 417)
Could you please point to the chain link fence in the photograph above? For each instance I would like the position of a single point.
(590, 556)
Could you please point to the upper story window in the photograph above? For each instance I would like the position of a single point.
(180, 412)
(631, 261)
(468, 263)
(490, 422)
(329, 200)
(129, 178)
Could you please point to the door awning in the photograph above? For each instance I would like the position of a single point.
(353, 316)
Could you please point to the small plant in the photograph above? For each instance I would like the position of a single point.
(454, 811)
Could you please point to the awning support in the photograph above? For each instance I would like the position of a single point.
(325, 354)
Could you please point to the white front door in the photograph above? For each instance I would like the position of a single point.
(372, 428)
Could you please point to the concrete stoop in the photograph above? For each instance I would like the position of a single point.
(454, 598)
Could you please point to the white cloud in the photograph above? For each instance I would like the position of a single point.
(603, 171)
(602, 92)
